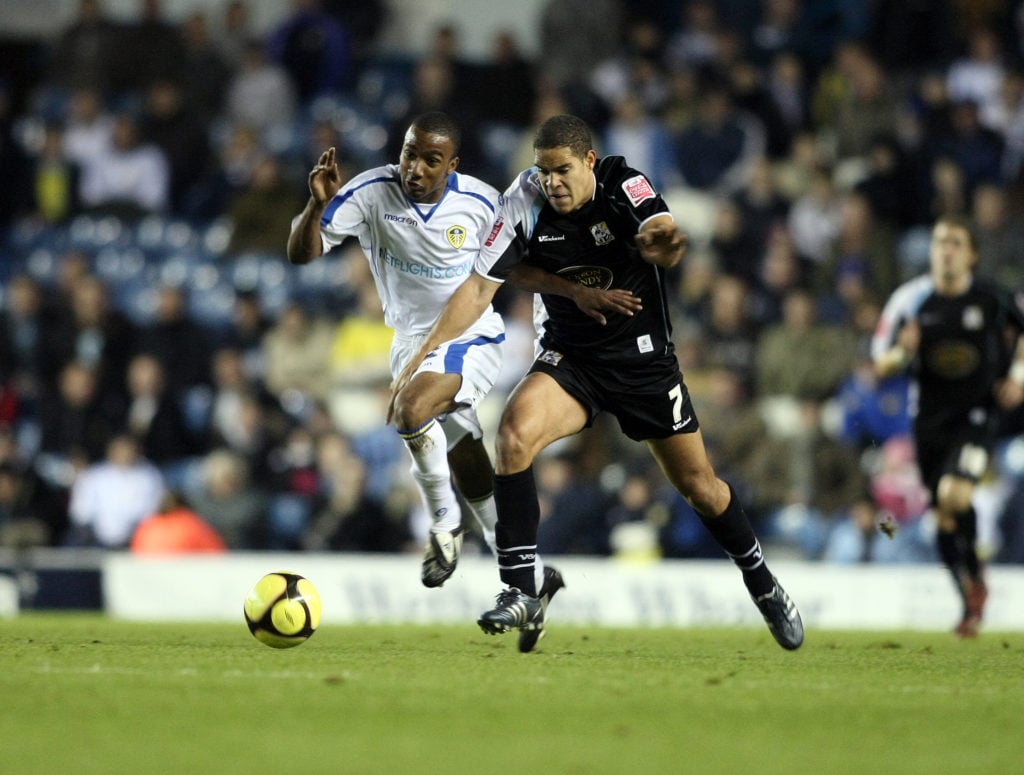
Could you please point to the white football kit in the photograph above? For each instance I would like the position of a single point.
(419, 255)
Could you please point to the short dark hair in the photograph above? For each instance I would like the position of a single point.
(958, 221)
(436, 122)
(564, 131)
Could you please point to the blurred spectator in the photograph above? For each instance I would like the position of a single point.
(54, 179)
(244, 334)
(23, 521)
(694, 43)
(261, 212)
(865, 107)
(636, 134)
(313, 46)
(26, 328)
(181, 344)
(84, 55)
(292, 483)
(129, 179)
(715, 152)
(260, 93)
(149, 48)
(575, 35)
(175, 529)
(787, 88)
(977, 76)
(810, 482)
(1000, 237)
(634, 70)
(761, 203)
(345, 517)
(861, 260)
(88, 128)
(76, 423)
(234, 33)
(15, 194)
(94, 332)
(800, 358)
(111, 497)
(234, 504)
(736, 249)
(570, 496)
(506, 83)
(296, 353)
(815, 217)
(237, 418)
(890, 182)
(178, 128)
(973, 147)
(730, 336)
(205, 73)
(154, 417)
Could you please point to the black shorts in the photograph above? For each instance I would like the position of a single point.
(653, 404)
(963, 450)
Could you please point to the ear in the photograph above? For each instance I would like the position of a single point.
(453, 163)
(591, 159)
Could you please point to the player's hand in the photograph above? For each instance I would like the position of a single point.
(909, 337)
(325, 178)
(1009, 393)
(397, 385)
(596, 302)
(661, 244)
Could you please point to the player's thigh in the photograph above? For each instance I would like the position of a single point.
(538, 412)
(684, 461)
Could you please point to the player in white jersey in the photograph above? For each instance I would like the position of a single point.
(421, 225)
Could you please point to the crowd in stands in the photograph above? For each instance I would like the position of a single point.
(160, 360)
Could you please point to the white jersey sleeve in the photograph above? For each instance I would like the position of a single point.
(901, 308)
(506, 244)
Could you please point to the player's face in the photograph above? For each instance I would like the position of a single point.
(426, 162)
(568, 180)
(952, 256)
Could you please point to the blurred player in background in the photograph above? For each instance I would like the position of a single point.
(596, 222)
(961, 337)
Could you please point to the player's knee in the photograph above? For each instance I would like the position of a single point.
(411, 410)
(704, 491)
(514, 447)
(954, 494)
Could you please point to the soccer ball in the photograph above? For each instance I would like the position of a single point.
(282, 609)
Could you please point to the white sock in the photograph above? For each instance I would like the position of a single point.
(486, 514)
(538, 573)
(429, 449)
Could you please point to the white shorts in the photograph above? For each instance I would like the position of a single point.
(476, 355)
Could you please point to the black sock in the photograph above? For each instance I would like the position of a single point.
(951, 551)
(515, 496)
(967, 530)
(734, 534)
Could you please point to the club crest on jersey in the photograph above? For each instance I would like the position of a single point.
(456, 236)
(550, 356)
(601, 233)
(638, 190)
(973, 318)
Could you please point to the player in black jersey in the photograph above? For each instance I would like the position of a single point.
(961, 336)
(602, 228)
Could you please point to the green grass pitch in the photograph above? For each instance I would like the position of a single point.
(83, 694)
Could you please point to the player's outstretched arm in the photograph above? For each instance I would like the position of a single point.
(463, 308)
(595, 302)
(1010, 390)
(324, 182)
(899, 356)
(661, 242)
